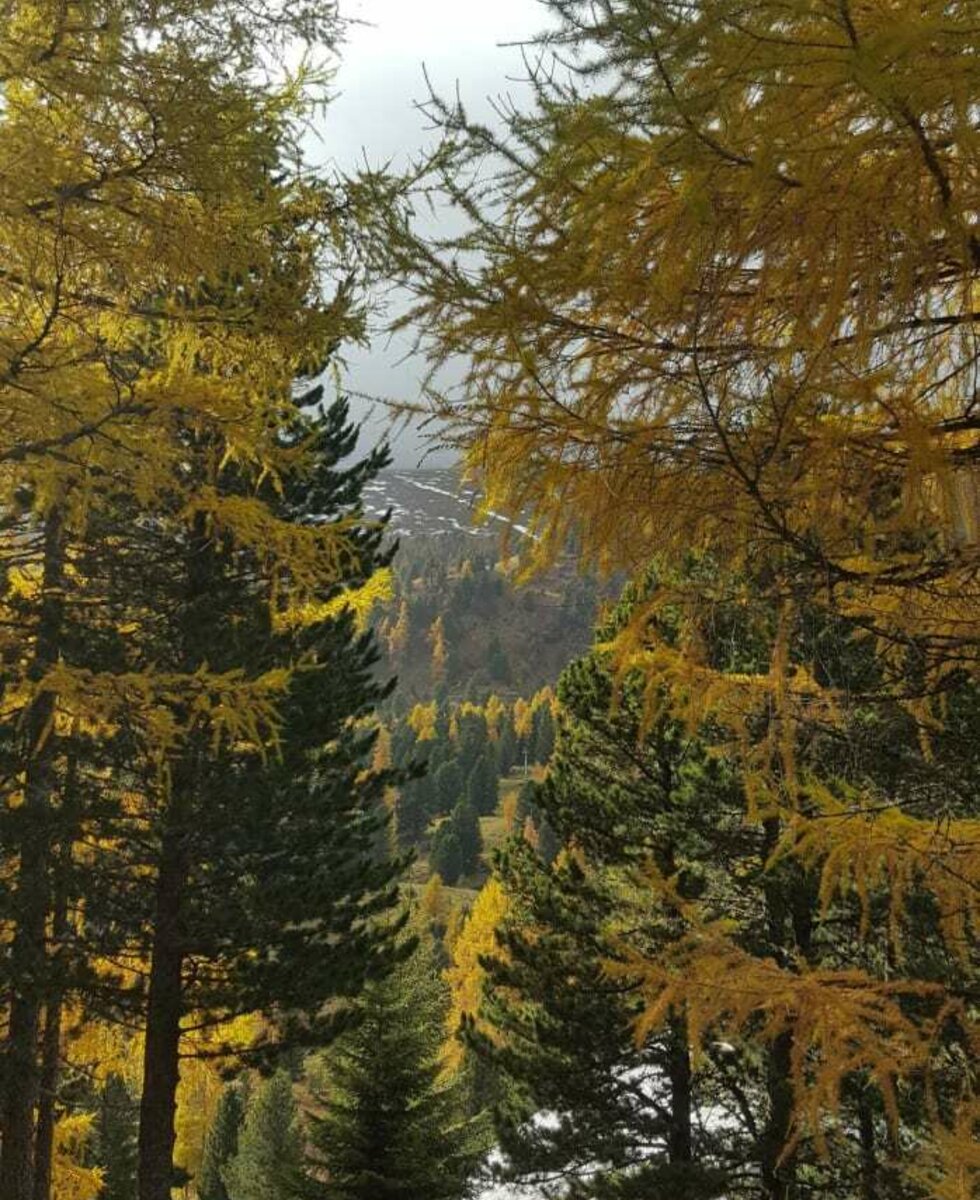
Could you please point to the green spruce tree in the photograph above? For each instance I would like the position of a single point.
(481, 786)
(268, 1164)
(392, 1127)
(221, 1142)
(114, 1142)
(450, 786)
(446, 855)
(466, 824)
(506, 747)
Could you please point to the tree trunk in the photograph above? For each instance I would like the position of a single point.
(778, 1168)
(50, 1073)
(161, 1063)
(28, 954)
(679, 1143)
(165, 1002)
(51, 1039)
(869, 1153)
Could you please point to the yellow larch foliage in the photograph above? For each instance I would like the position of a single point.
(465, 975)
(494, 711)
(509, 809)
(523, 717)
(727, 310)
(422, 719)
(855, 852)
(841, 1021)
(397, 638)
(433, 902)
(361, 601)
(70, 1178)
(437, 640)
(952, 1170)
(204, 1054)
(454, 926)
(381, 755)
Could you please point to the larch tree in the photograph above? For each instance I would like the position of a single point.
(436, 638)
(717, 294)
(170, 267)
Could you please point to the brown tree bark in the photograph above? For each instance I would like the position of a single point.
(165, 1001)
(680, 1141)
(161, 1069)
(51, 1038)
(32, 901)
(778, 1166)
(46, 1117)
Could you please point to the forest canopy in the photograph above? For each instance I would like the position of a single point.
(656, 871)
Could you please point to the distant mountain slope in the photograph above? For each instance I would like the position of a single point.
(432, 503)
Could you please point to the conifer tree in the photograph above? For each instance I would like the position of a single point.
(655, 366)
(449, 786)
(221, 1142)
(268, 1164)
(152, 256)
(114, 1142)
(267, 878)
(413, 811)
(558, 1015)
(446, 854)
(466, 825)
(542, 740)
(472, 738)
(497, 664)
(482, 784)
(506, 748)
(434, 904)
(393, 1126)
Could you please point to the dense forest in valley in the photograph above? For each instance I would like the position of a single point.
(595, 818)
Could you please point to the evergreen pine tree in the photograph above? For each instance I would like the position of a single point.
(412, 809)
(114, 1140)
(446, 855)
(481, 786)
(256, 875)
(526, 803)
(221, 1142)
(449, 786)
(542, 735)
(393, 1127)
(466, 825)
(268, 1164)
(497, 663)
(548, 843)
(472, 739)
(506, 747)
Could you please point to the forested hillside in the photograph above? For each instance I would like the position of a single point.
(597, 818)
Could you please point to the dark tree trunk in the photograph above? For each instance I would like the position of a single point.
(165, 1001)
(679, 1147)
(158, 1105)
(869, 1152)
(28, 953)
(50, 1073)
(778, 1165)
(51, 1038)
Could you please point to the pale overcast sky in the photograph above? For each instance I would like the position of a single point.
(379, 81)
